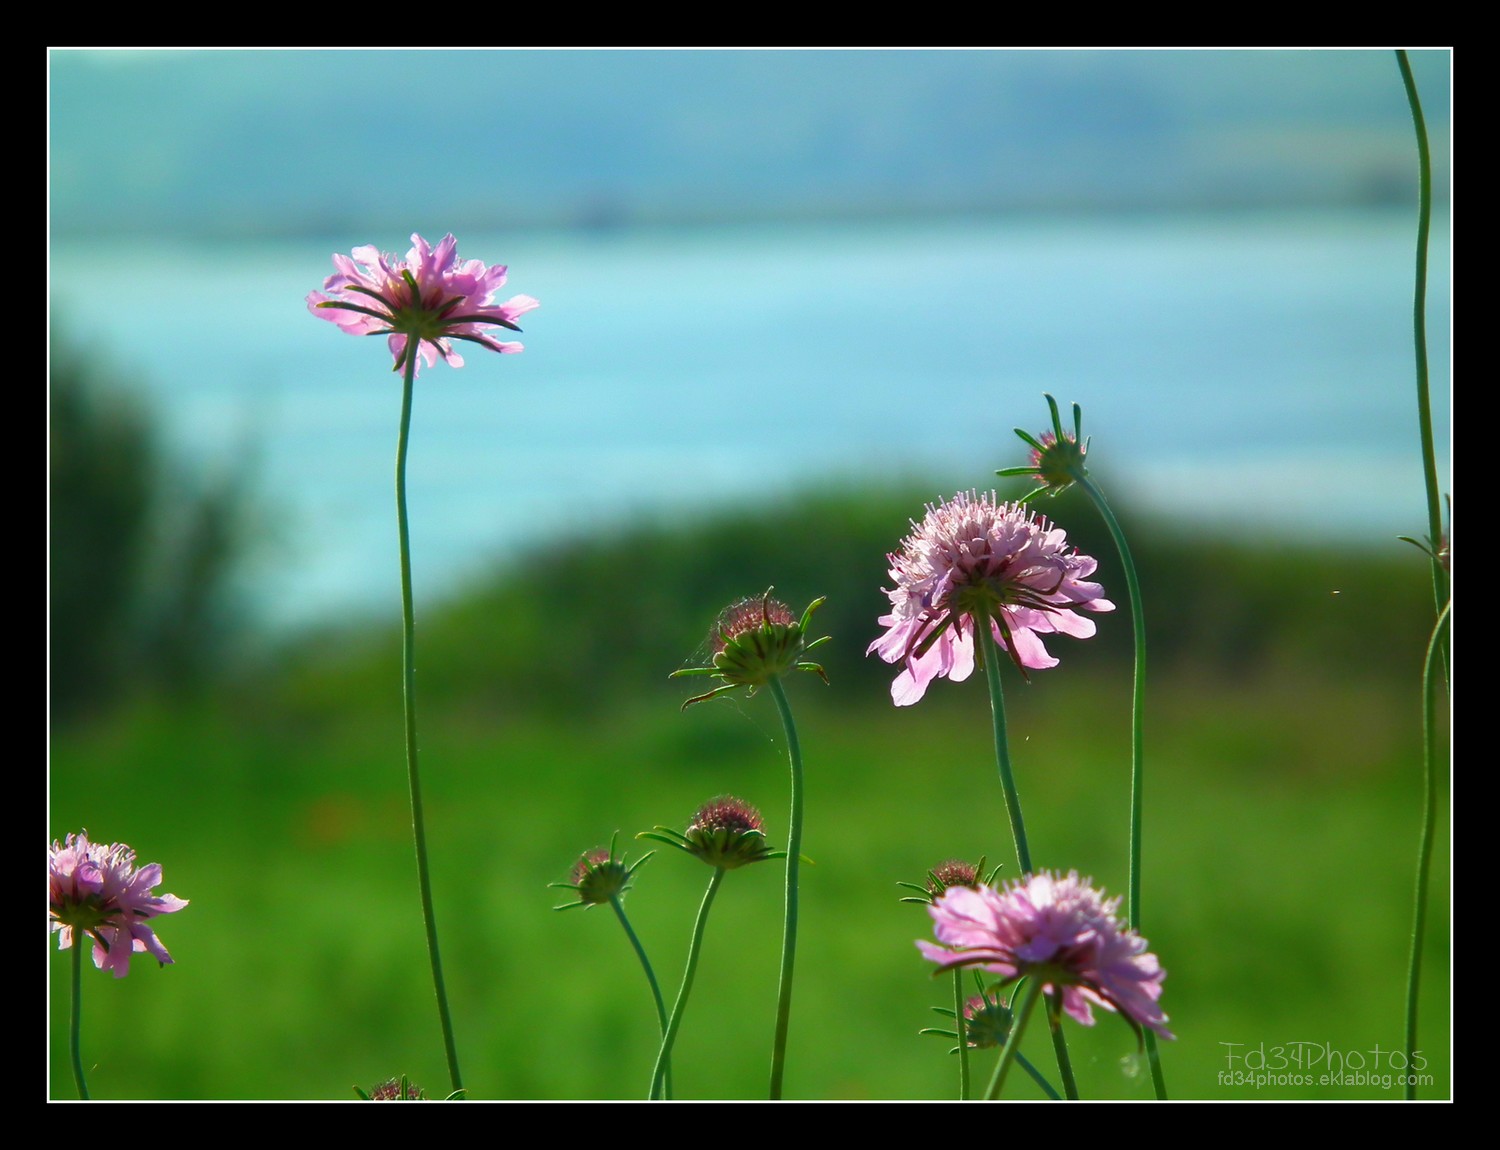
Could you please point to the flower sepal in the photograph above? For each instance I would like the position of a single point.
(1056, 457)
(756, 640)
(725, 833)
(599, 877)
(953, 872)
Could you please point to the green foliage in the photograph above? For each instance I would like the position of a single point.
(141, 555)
(1281, 814)
(601, 619)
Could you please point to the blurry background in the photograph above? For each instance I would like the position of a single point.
(787, 297)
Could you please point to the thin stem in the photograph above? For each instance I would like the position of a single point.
(75, 1023)
(1419, 332)
(963, 1036)
(1137, 738)
(409, 694)
(1424, 851)
(793, 859)
(640, 952)
(1060, 1046)
(991, 660)
(1013, 1041)
(664, 1056)
(1036, 1076)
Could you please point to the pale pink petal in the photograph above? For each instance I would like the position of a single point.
(1060, 927)
(441, 279)
(973, 549)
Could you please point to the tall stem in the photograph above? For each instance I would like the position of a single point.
(1424, 851)
(1060, 1047)
(991, 657)
(963, 1036)
(409, 694)
(664, 1056)
(1137, 739)
(793, 860)
(640, 953)
(75, 1022)
(1419, 332)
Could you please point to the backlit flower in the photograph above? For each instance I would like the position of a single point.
(1058, 929)
(1057, 456)
(431, 296)
(599, 877)
(397, 1090)
(973, 558)
(952, 872)
(726, 832)
(754, 641)
(98, 890)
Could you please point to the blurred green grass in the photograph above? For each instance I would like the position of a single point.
(1282, 807)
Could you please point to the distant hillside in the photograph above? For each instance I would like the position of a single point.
(276, 143)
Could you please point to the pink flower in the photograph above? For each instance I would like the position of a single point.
(1058, 929)
(97, 889)
(431, 296)
(973, 558)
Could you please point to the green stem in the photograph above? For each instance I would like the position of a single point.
(75, 1023)
(664, 1056)
(1419, 332)
(1036, 1076)
(793, 859)
(1424, 851)
(1060, 1046)
(991, 660)
(1137, 738)
(409, 695)
(963, 1036)
(640, 952)
(1013, 1041)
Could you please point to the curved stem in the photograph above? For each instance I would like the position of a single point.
(1137, 738)
(409, 696)
(1424, 850)
(664, 1056)
(963, 1035)
(75, 1022)
(640, 952)
(991, 660)
(1013, 1041)
(1419, 331)
(793, 859)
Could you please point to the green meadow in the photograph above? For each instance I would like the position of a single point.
(1282, 807)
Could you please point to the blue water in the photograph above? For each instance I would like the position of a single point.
(1249, 373)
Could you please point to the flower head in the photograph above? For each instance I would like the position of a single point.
(396, 1090)
(97, 889)
(953, 872)
(432, 297)
(986, 1021)
(973, 560)
(1057, 929)
(598, 877)
(1056, 456)
(726, 832)
(754, 641)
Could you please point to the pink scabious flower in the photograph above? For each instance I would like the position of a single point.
(98, 890)
(970, 559)
(431, 296)
(1058, 929)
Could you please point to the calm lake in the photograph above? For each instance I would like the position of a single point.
(1249, 372)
